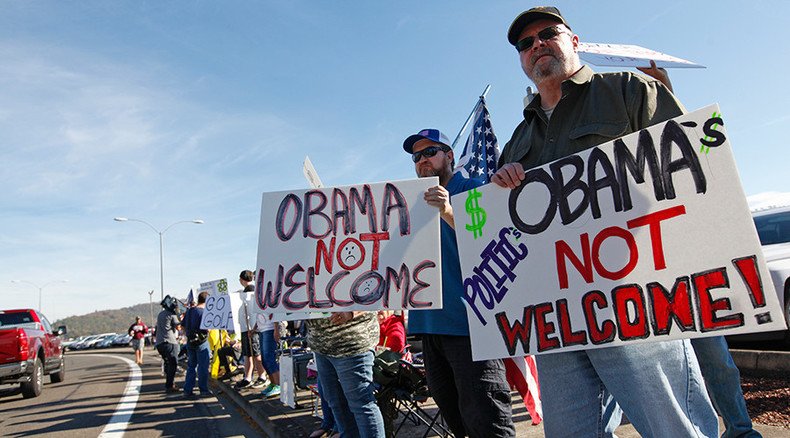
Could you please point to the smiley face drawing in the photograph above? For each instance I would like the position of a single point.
(369, 285)
(350, 254)
(367, 288)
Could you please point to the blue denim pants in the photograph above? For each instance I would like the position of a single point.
(197, 362)
(659, 386)
(724, 386)
(269, 352)
(328, 419)
(347, 384)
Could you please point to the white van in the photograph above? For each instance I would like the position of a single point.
(771, 213)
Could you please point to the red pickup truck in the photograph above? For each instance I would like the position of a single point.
(30, 349)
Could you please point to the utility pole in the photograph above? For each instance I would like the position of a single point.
(151, 322)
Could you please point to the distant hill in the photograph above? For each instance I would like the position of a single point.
(106, 321)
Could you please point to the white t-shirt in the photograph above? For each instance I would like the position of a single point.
(264, 322)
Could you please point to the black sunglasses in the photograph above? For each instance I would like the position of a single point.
(428, 152)
(544, 35)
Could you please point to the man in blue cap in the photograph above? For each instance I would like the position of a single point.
(473, 397)
(659, 384)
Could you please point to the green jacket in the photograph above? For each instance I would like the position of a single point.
(595, 108)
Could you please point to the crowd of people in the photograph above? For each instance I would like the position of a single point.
(660, 386)
(252, 353)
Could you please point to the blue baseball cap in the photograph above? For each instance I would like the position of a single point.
(427, 134)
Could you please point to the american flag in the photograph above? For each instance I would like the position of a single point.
(190, 298)
(479, 161)
(481, 152)
(522, 373)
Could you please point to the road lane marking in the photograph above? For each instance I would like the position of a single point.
(123, 412)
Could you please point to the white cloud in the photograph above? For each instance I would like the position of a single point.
(85, 138)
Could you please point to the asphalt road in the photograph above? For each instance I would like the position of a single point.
(97, 398)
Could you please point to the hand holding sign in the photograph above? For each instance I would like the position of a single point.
(658, 73)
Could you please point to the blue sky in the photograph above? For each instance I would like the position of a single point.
(169, 111)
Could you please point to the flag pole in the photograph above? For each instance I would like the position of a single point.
(472, 114)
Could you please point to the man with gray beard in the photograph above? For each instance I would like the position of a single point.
(658, 385)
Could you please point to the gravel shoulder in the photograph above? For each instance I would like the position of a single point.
(767, 397)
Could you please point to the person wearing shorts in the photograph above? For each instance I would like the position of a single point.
(137, 331)
(250, 343)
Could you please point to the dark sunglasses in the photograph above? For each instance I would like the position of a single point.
(544, 35)
(428, 152)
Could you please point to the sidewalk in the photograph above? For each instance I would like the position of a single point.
(278, 420)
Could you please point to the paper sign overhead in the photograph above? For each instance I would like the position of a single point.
(626, 55)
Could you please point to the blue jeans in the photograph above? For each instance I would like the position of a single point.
(197, 358)
(347, 383)
(724, 386)
(658, 385)
(328, 421)
(474, 397)
(269, 352)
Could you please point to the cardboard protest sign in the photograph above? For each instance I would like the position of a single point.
(362, 247)
(311, 174)
(217, 313)
(646, 238)
(230, 311)
(627, 55)
(216, 286)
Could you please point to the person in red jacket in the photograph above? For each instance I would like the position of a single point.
(137, 331)
(392, 333)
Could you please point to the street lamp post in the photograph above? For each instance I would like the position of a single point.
(40, 288)
(161, 246)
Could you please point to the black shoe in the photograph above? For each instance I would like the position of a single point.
(172, 390)
(242, 384)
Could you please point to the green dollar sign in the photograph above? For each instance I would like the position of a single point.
(476, 214)
(704, 148)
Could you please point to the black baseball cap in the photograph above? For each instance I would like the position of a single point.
(534, 14)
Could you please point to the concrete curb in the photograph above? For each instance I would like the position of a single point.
(763, 361)
(268, 427)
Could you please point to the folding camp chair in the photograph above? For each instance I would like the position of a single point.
(402, 388)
